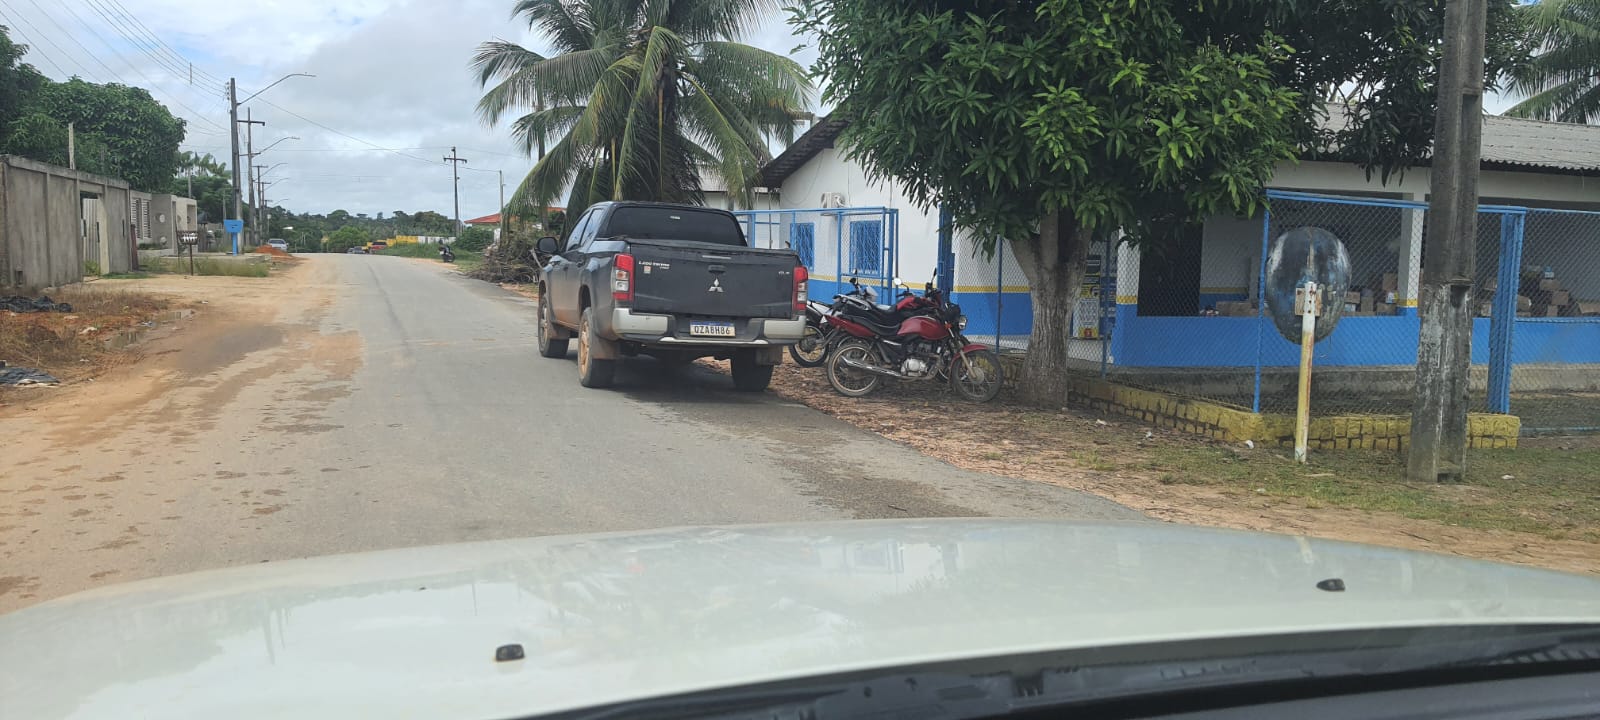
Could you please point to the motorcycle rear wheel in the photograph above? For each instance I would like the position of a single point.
(977, 375)
(812, 350)
(848, 381)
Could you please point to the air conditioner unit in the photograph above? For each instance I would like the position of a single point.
(833, 200)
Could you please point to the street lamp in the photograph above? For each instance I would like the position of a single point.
(269, 147)
(233, 136)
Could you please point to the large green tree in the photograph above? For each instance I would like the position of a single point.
(1562, 81)
(640, 97)
(18, 82)
(1052, 122)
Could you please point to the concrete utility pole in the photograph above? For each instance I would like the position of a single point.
(72, 148)
(249, 137)
(455, 184)
(1444, 344)
(233, 135)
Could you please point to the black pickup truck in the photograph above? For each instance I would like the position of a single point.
(673, 281)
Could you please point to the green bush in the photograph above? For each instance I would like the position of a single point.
(474, 239)
(411, 250)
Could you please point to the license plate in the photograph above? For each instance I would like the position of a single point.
(714, 329)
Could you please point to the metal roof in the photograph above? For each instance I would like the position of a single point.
(819, 137)
(1536, 143)
(1506, 141)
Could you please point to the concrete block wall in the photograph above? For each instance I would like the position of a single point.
(42, 242)
(1361, 432)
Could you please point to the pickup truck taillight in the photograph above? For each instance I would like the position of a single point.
(622, 278)
(800, 277)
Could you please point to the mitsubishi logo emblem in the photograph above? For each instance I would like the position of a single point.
(716, 285)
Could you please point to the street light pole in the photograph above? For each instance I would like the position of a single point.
(233, 135)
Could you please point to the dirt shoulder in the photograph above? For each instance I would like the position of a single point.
(1537, 505)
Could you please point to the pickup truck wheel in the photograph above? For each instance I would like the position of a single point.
(748, 375)
(592, 372)
(549, 347)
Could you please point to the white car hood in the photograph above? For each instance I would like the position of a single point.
(609, 618)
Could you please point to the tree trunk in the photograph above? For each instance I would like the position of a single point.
(1054, 263)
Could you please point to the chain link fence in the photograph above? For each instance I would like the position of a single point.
(1185, 316)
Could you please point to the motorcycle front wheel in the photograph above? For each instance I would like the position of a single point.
(812, 350)
(849, 381)
(977, 376)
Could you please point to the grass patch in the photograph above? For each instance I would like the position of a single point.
(1550, 492)
(210, 266)
(141, 275)
(71, 344)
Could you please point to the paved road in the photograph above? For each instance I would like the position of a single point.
(392, 403)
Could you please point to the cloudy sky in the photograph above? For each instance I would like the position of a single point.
(389, 74)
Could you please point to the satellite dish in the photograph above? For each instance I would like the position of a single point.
(1302, 255)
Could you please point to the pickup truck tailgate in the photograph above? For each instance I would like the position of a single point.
(689, 278)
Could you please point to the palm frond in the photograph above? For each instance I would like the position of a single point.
(645, 114)
(568, 31)
(501, 59)
(564, 79)
(544, 126)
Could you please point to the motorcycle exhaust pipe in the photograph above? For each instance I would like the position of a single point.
(858, 365)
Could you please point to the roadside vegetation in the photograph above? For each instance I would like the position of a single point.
(209, 266)
(1516, 505)
(73, 345)
(466, 260)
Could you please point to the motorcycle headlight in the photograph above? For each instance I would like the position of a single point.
(961, 323)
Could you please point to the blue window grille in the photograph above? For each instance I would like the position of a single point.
(866, 247)
(803, 240)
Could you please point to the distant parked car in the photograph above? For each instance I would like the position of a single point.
(378, 245)
(279, 243)
(355, 251)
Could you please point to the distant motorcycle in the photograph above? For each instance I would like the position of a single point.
(446, 254)
(919, 339)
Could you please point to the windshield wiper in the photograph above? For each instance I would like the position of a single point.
(955, 695)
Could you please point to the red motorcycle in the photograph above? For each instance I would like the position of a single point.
(821, 336)
(918, 339)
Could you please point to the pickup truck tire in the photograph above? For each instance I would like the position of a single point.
(549, 346)
(592, 372)
(749, 375)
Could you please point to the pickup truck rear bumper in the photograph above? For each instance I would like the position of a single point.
(672, 330)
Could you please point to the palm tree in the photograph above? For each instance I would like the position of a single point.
(1561, 82)
(640, 98)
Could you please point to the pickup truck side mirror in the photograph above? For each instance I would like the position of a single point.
(548, 245)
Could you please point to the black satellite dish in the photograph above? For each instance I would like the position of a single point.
(1302, 255)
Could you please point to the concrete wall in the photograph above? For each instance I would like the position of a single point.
(43, 241)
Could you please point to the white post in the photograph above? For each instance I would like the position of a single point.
(1409, 267)
(1308, 303)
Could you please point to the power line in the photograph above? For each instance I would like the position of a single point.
(127, 32)
(170, 51)
(352, 137)
(34, 46)
(197, 114)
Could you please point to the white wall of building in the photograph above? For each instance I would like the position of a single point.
(830, 172)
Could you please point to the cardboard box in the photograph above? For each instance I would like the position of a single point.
(1382, 309)
(1549, 284)
(1552, 311)
(1485, 309)
(1352, 308)
(1561, 297)
(1352, 298)
(1524, 304)
(1235, 308)
(1367, 304)
(1491, 285)
(1390, 282)
(1588, 308)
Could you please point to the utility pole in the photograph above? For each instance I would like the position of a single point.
(72, 148)
(455, 184)
(502, 175)
(249, 137)
(1438, 450)
(233, 135)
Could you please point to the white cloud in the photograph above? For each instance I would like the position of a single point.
(391, 72)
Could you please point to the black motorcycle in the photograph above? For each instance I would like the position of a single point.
(446, 254)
